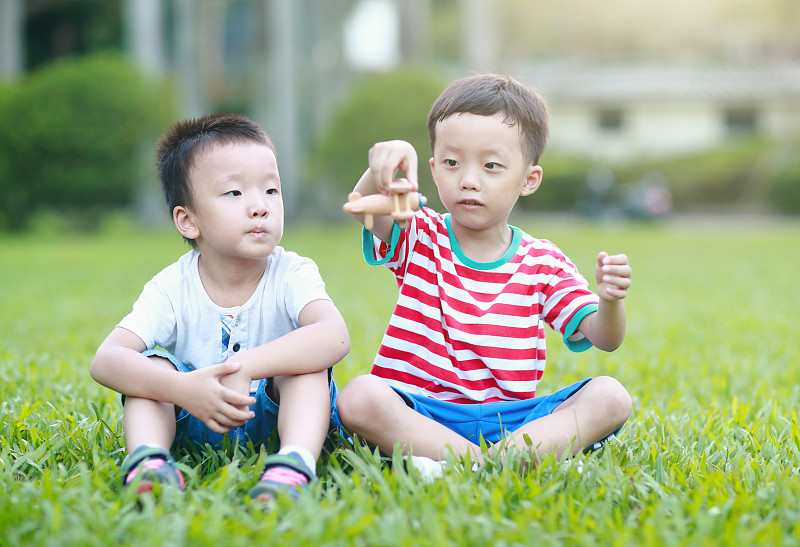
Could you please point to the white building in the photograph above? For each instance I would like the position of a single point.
(616, 113)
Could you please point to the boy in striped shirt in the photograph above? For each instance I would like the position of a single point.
(465, 346)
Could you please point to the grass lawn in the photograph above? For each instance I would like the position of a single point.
(709, 457)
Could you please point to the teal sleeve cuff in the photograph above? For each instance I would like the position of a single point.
(368, 246)
(572, 327)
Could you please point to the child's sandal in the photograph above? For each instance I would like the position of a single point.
(283, 474)
(150, 465)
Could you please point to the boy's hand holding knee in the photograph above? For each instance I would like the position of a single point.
(204, 396)
(386, 158)
(239, 380)
(613, 276)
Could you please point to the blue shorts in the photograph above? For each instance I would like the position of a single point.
(492, 421)
(190, 432)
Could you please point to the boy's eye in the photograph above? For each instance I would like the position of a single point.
(492, 165)
(272, 191)
(450, 163)
(233, 193)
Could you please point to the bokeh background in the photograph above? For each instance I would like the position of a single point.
(659, 108)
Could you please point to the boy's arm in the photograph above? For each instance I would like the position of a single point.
(120, 365)
(320, 342)
(385, 159)
(606, 328)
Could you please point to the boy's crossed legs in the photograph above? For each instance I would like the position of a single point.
(302, 421)
(369, 407)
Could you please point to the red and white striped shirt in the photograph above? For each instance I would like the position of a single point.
(472, 332)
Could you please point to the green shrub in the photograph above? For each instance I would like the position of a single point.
(5, 98)
(563, 184)
(71, 133)
(723, 177)
(784, 191)
(382, 107)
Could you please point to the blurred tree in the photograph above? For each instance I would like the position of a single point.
(380, 107)
(144, 34)
(479, 27)
(415, 30)
(11, 39)
(446, 33)
(69, 136)
(64, 28)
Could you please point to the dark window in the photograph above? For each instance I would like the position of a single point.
(741, 121)
(609, 119)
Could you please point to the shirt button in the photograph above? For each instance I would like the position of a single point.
(236, 346)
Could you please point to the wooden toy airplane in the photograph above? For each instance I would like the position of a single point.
(400, 203)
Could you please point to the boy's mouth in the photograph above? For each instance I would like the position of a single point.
(257, 231)
(470, 203)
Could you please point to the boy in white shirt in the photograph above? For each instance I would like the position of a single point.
(220, 342)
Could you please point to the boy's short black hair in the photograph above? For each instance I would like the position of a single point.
(490, 94)
(184, 141)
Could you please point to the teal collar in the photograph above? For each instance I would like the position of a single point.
(516, 237)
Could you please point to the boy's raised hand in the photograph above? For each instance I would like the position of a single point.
(221, 408)
(385, 158)
(613, 276)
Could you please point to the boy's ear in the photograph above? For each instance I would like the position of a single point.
(533, 178)
(184, 222)
(433, 172)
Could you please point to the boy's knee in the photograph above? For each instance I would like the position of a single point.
(356, 399)
(618, 403)
(298, 385)
(312, 380)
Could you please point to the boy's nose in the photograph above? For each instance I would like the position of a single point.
(259, 209)
(469, 180)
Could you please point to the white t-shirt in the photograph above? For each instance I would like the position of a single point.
(175, 312)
